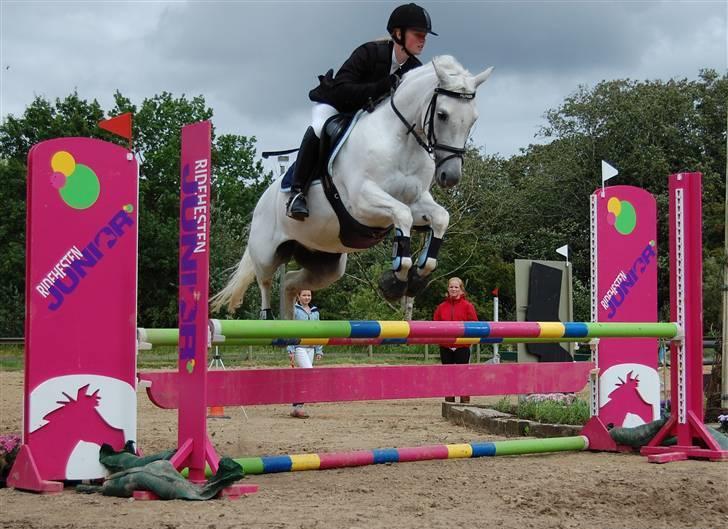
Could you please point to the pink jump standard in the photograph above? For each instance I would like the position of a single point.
(80, 353)
(686, 308)
(195, 449)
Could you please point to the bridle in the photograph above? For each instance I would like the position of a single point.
(430, 144)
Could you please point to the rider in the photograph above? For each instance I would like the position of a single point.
(370, 72)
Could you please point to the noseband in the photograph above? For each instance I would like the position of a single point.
(430, 144)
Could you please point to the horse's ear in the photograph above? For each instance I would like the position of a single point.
(481, 77)
(442, 76)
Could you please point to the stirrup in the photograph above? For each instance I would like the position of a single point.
(297, 208)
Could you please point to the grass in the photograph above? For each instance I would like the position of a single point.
(244, 356)
(12, 356)
(551, 412)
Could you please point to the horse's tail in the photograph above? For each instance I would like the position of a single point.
(233, 293)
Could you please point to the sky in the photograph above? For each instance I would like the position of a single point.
(254, 62)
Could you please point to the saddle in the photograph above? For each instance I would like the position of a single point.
(352, 233)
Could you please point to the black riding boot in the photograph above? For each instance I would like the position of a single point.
(305, 165)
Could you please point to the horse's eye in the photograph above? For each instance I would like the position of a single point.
(442, 115)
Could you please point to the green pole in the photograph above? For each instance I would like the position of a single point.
(284, 329)
(539, 446)
(632, 330)
(159, 337)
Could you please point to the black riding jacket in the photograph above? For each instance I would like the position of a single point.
(362, 79)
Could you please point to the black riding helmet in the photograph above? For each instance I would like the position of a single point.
(410, 16)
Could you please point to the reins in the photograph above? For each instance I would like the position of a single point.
(430, 144)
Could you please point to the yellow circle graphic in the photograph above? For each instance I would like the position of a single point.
(614, 206)
(63, 162)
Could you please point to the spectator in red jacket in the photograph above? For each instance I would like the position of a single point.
(455, 308)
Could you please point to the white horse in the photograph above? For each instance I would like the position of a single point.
(383, 173)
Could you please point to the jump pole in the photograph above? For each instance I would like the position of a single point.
(148, 338)
(379, 456)
(281, 329)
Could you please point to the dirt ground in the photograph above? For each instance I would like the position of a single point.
(571, 490)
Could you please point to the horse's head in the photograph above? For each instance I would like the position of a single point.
(80, 408)
(81, 414)
(450, 117)
(627, 396)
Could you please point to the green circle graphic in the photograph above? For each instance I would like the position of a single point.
(82, 188)
(627, 219)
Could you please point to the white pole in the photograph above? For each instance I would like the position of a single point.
(564, 250)
(496, 354)
(282, 309)
(569, 305)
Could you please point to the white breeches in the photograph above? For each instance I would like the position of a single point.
(319, 114)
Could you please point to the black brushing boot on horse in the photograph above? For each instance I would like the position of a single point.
(302, 174)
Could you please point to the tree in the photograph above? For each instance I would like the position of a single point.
(646, 129)
(237, 181)
(41, 121)
(504, 209)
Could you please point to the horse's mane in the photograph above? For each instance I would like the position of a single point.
(458, 78)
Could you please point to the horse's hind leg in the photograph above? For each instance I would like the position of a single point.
(314, 277)
(265, 284)
(266, 263)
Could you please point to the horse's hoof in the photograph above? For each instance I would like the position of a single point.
(392, 288)
(267, 314)
(416, 284)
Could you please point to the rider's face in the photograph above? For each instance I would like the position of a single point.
(414, 40)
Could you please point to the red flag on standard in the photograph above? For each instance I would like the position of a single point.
(495, 292)
(119, 125)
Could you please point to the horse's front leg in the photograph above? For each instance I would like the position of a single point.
(375, 207)
(427, 212)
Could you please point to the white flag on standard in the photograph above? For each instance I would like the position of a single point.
(608, 172)
(564, 250)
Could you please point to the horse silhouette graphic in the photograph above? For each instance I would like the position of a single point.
(75, 421)
(625, 399)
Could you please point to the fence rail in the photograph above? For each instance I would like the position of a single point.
(428, 353)
(20, 340)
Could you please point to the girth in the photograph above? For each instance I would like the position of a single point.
(352, 233)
